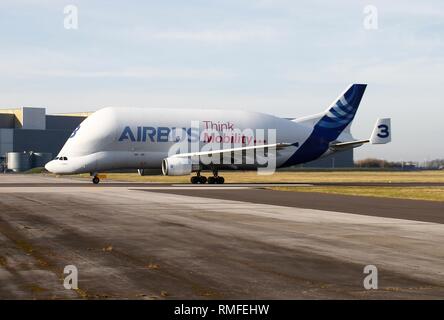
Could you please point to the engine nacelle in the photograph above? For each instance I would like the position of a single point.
(176, 166)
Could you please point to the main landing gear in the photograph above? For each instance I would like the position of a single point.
(215, 179)
(198, 179)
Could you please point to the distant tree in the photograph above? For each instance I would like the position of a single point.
(377, 163)
(435, 164)
(370, 163)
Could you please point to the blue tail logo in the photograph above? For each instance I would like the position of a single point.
(343, 111)
(335, 119)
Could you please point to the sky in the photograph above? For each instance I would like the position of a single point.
(283, 57)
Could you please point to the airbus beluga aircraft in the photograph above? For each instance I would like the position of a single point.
(147, 139)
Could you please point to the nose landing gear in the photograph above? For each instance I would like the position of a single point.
(95, 178)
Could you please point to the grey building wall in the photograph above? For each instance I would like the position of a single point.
(343, 159)
(40, 132)
(63, 122)
(33, 118)
(40, 140)
(7, 121)
(6, 141)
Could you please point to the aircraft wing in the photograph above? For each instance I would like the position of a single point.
(277, 146)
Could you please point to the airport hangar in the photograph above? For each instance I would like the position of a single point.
(30, 129)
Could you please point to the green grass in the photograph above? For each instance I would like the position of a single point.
(415, 193)
(35, 170)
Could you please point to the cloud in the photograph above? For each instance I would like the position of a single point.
(54, 65)
(221, 36)
(139, 73)
(410, 72)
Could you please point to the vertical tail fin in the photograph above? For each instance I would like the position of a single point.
(382, 132)
(327, 126)
(342, 112)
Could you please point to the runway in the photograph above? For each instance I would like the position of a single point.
(142, 241)
(428, 211)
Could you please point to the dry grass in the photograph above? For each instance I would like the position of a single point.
(296, 177)
(419, 193)
(415, 193)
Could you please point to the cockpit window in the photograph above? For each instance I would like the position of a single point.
(57, 158)
(61, 158)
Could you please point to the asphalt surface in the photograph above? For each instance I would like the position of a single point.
(429, 211)
(149, 242)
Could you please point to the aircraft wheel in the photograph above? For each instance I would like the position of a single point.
(194, 179)
(220, 180)
(211, 180)
(203, 179)
(96, 180)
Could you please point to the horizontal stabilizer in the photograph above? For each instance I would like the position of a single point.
(381, 134)
(348, 145)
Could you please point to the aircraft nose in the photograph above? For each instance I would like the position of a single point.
(50, 166)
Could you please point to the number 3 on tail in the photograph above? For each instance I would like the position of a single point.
(383, 131)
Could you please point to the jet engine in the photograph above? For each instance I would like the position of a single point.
(176, 166)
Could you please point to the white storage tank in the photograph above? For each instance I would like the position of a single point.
(39, 159)
(19, 161)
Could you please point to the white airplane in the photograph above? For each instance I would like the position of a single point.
(147, 139)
